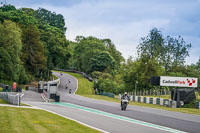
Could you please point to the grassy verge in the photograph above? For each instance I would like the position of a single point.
(54, 77)
(197, 96)
(85, 89)
(19, 120)
(3, 102)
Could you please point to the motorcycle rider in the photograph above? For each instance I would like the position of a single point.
(125, 96)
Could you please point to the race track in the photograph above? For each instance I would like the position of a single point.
(107, 116)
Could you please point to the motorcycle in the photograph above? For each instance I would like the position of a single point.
(124, 104)
(70, 91)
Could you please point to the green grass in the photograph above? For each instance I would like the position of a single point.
(3, 102)
(85, 88)
(197, 96)
(19, 120)
(55, 77)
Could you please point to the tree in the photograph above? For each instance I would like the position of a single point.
(9, 12)
(6, 8)
(51, 18)
(117, 56)
(33, 56)
(180, 51)
(86, 49)
(151, 46)
(56, 45)
(10, 49)
(101, 62)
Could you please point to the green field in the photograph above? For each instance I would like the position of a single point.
(85, 88)
(19, 120)
(3, 102)
(197, 96)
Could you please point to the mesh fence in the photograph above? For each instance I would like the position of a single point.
(10, 97)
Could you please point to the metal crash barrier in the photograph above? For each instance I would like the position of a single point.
(11, 98)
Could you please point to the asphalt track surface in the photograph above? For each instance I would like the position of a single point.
(174, 120)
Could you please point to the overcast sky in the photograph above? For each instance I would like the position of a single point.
(126, 21)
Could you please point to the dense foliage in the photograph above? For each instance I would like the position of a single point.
(32, 42)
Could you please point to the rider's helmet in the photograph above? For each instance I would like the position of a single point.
(125, 93)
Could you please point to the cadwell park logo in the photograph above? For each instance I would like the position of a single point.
(178, 81)
(190, 83)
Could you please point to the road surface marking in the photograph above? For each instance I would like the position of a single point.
(118, 117)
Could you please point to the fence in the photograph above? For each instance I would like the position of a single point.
(150, 100)
(75, 71)
(11, 97)
(107, 94)
(150, 92)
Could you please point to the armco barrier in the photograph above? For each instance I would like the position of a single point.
(107, 94)
(75, 71)
(10, 97)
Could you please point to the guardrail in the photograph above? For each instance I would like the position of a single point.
(75, 71)
(107, 94)
(11, 98)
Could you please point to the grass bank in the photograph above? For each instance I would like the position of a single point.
(19, 120)
(3, 102)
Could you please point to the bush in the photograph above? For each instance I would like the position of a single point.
(190, 105)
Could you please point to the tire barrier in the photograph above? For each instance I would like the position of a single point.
(11, 98)
(151, 100)
(159, 101)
